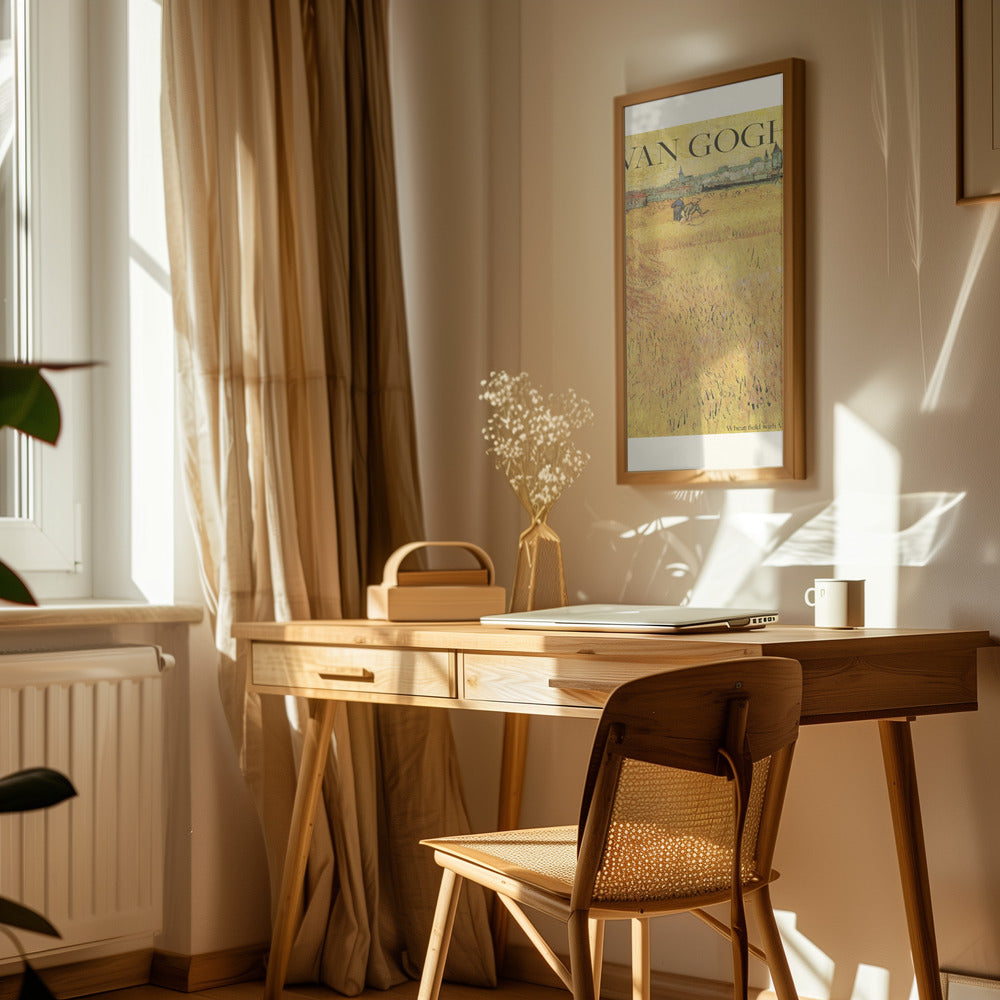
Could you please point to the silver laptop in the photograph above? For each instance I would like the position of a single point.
(656, 618)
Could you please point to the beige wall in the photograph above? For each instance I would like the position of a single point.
(503, 117)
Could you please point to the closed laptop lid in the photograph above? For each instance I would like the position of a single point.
(635, 618)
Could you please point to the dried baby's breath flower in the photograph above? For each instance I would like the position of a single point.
(530, 438)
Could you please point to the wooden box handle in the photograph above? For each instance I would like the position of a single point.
(392, 564)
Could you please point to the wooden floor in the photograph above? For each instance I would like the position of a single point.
(408, 991)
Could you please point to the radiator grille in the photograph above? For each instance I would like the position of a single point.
(92, 865)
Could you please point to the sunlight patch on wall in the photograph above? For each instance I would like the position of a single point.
(866, 476)
(880, 110)
(654, 527)
(811, 968)
(914, 217)
(867, 531)
(741, 540)
(925, 521)
(871, 983)
(746, 528)
(987, 223)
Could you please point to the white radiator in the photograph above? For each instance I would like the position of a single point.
(92, 865)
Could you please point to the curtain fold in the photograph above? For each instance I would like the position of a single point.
(298, 435)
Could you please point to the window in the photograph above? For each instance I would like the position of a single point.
(13, 456)
(44, 281)
(94, 516)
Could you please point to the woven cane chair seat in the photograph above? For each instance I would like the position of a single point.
(543, 857)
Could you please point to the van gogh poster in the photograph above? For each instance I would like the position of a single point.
(703, 278)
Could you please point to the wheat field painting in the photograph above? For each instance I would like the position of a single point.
(704, 313)
(710, 278)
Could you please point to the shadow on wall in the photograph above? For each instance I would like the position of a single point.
(717, 558)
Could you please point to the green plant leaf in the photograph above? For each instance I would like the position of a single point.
(27, 402)
(12, 587)
(34, 788)
(32, 987)
(15, 915)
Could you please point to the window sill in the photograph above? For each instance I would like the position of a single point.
(80, 614)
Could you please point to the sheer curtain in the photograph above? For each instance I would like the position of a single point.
(299, 454)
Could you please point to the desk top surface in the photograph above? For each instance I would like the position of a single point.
(799, 641)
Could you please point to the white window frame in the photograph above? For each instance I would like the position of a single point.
(49, 546)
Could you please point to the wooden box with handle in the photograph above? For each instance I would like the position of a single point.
(436, 595)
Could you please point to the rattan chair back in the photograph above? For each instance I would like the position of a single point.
(686, 765)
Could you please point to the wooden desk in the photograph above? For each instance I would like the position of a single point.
(889, 675)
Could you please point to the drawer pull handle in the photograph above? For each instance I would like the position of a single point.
(579, 684)
(348, 674)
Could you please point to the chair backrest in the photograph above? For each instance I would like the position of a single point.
(686, 776)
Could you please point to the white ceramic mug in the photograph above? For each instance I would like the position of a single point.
(838, 603)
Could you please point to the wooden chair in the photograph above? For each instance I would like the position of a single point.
(680, 810)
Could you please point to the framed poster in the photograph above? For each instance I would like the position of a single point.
(710, 279)
(977, 40)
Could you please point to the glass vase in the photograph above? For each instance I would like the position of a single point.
(539, 581)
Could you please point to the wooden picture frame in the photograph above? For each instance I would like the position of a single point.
(977, 91)
(709, 255)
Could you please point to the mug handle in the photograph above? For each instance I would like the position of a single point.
(812, 591)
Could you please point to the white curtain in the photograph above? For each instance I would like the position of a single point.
(299, 454)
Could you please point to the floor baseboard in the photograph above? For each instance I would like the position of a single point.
(92, 975)
(191, 973)
(182, 973)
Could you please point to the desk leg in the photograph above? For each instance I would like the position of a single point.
(901, 779)
(515, 745)
(315, 746)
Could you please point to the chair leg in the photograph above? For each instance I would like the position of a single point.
(580, 963)
(597, 951)
(741, 959)
(640, 959)
(777, 962)
(437, 947)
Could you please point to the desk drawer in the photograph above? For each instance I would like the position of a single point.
(427, 673)
(578, 682)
